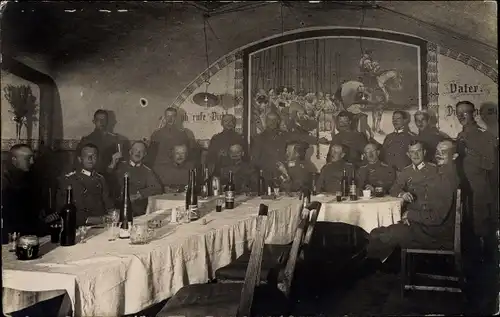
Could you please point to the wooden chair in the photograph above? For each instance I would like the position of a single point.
(227, 299)
(407, 257)
(275, 255)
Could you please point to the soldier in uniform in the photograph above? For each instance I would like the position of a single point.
(91, 195)
(428, 134)
(330, 176)
(175, 176)
(142, 180)
(446, 155)
(476, 148)
(21, 195)
(218, 149)
(106, 142)
(396, 143)
(376, 173)
(426, 222)
(354, 140)
(268, 148)
(244, 176)
(164, 139)
(296, 172)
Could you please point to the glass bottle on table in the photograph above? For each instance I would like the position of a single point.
(206, 188)
(68, 217)
(193, 198)
(261, 188)
(344, 184)
(229, 192)
(126, 216)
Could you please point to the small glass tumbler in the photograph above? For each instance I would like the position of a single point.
(112, 229)
(219, 204)
(338, 196)
(276, 191)
(82, 234)
(13, 241)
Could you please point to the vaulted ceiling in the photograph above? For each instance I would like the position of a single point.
(69, 28)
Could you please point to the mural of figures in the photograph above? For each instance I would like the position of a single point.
(309, 81)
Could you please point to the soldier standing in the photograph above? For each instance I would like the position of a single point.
(218, 149)
(396, 143)
(331, 174)
(354, 140)
(476, 148)
(90, 192)
(376, 173)
(429, 135)
(142, 180)
(106, 142)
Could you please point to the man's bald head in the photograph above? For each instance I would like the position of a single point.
(446, 152)
(22, 157)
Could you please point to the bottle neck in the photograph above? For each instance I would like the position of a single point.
(230, 177)
(125, 188)
(69, 195)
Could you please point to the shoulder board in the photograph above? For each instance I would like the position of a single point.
(70, 173)
(408, 167)
(110, 133)
(364, 166)
(98, 175)
(146, 167)
(383, 164)
(347, 163)
(411, 133)
(481, 129)
(431, 164)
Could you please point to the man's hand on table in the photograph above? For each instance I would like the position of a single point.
(406, 197)
(404, 218)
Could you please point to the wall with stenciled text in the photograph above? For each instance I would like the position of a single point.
(459, 81)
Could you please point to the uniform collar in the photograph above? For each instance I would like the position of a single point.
(419, 166)
(374, 164)
(87, 173)
(134, 164)
(399, 131)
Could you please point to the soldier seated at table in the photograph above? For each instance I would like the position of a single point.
(428, 219)
(330, 176)
(91, 195)
(396, 143)
(142, 180)
(350, 138)
(244, 175)
(297, 173)
(376, 173)
(175, 176)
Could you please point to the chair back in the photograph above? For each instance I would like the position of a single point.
(286, 283)
(252, 276)
(457, 245)
(314, 209)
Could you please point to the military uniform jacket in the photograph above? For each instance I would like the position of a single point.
(378, 174)
(432, 194)
(395, 147)
(430, 137)
(173, 175)
(107, 144)
(355, 141)
(141, 180)
(244, 176)
(218, 149)
(163, 141)
(90, 194)
(330, 176)
(267, 149)
(477, 157)
(300, 177)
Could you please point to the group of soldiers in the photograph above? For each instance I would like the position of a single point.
(403, 165)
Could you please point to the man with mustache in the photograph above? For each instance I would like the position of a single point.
(477, 149)
(175, 176)
(331, 174)
(142, 180)
(427, 221)
(244, 176)
(354, 140)
(218, 149)
(396, 143)
(428, 134)
(376, 173)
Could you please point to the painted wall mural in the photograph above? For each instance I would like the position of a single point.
(309, 81)
(458, 81)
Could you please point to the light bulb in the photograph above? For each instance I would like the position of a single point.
(206, 99)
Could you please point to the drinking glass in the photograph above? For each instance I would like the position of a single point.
(219, 204)
(12, 241)
(140, 234)
(276, 191)
(82, 234)
(338, 195)
(112, 228)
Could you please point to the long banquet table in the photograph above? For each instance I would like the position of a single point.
(112, 278)
(105, 278)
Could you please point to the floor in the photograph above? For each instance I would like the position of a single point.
(347, 287)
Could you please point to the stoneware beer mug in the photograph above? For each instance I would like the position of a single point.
(367, 194)
(27, 248)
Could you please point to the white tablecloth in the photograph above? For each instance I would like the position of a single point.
(366, 214)
(114, 278)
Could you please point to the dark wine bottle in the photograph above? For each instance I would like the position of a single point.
(193, 198)
(68, 216)
(229, 192)
(126, 216)
(206, 188)
(344, 184)
(353, 191)
(261, 189)
(189, 189)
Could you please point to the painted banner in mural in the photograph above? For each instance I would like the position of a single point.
(309, 81)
